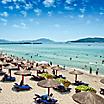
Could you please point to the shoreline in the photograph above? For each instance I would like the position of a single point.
(66, 67)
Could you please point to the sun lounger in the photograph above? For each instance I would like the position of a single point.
(21, 87)
(1, 73)
(37, 78)
(11, 79)
(102, 91)
(77, 83)
(62, 89)
(44, 99)
(60, 76)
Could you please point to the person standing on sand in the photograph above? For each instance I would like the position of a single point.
(51, 63)
(97, 71)
(90, 70)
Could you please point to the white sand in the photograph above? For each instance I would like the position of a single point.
(8, 96)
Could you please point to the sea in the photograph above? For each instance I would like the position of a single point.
(78, 55)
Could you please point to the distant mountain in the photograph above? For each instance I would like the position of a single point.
(4, 41)
(88, 40)
(43, 40)
(38, 41)
(48, 41)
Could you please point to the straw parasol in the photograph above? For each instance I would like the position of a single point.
(1, 72)
(49, 83)
(57, 68)
(102, 80)
(38, 68)
(4, 63)
(88, 98)
(75, 72)
(23, 73)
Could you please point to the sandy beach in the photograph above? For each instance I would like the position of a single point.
(8, 96)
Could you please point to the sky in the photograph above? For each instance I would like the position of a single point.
(59, 20)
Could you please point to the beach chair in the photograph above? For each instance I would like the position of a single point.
(102, 91)
(62, 89)
(8, 79)
(22, 87)
(37, 78)
(59, 76)
(78, 83)
(1, 73)
(44, 99)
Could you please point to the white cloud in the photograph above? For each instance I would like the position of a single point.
(3, 20)
(81, 16)
(68, 8)
(28, 6)
(49, 13)
(37, 11)
(4, 14)
(20, 26)
(23, 25)
(17, 6)
(82, 10)
(24, 13)
(68, 1)
(74, 5)
(101, 13)
(10, 7)
(4, 1)
(48, 3)
(14, 0)
(31, 19)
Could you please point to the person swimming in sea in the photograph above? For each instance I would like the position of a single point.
(90, 70)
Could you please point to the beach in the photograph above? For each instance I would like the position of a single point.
(8, 96)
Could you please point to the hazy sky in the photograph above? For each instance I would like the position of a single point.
(60, 20)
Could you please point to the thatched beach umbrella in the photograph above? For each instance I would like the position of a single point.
(2, 58)
(88, 98)
(39, 68)
(49, 83)
(57, 68)
(1, 65)
(4, 63)
(75, 72)
(102, 80)
(23, 73)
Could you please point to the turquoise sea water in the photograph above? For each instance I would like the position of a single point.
(81, 54)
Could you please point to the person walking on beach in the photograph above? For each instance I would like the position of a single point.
(64, 67)
(97, 71)
(90, 70)
(51, 63)
(53, 71)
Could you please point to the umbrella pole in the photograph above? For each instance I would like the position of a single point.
(10, 72)
(56, 72)
(37, 72)
(75, 77)
(48, 91)
(23, 78)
